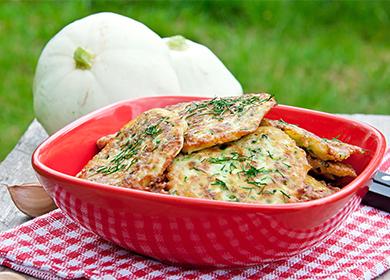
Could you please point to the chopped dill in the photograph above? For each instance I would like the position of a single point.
(219, 106)
(152, 130)
(253, 171)
(220, 183)
(285, 194)
(257, 183)
(223, 159)
(198, 169)
(280, 173)
(232, 197)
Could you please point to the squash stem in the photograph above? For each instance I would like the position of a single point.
(83, 58)
(177, 43)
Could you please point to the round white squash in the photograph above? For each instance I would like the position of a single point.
(98, 60)
(199, 70)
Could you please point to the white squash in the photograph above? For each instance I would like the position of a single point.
(98, 60)
(199, 70)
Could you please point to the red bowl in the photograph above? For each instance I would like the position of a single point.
(192, 231)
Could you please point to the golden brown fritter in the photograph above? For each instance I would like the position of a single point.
(221, 120)
(263, 167)
(330, 169)
(324, 149)
(140, 152)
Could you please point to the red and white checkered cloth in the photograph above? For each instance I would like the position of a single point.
(54, 247)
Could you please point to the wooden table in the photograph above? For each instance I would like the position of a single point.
(16, 169)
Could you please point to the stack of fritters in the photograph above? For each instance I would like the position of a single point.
(221, 149)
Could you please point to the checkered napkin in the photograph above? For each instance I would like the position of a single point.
(54, 247)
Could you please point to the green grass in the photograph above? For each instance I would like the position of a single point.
(326, 55)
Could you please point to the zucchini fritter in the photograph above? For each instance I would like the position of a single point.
(263, 167)
(226, 155)
(324, 149)
(221, 120)
(140, 152)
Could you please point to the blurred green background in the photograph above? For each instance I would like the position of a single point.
(326, 55)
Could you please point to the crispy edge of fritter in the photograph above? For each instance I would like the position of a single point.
(329, 169)
(103, 141)
(198, 144)
(314, 189)
(143, 183)
(324, 149)
(194, 143)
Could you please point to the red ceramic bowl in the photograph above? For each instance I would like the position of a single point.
(192, 231)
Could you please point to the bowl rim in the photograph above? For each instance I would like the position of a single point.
(350, 188)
